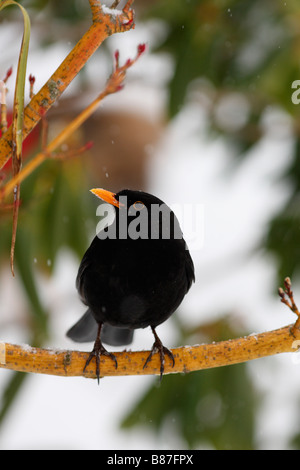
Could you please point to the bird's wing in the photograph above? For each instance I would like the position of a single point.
(96, 263)
(80, 277)
(189, 270)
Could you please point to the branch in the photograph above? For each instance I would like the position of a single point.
(105, 23)
(113, 85)
(3, 91)
(187, 358)
(287, 298)
(69, 363)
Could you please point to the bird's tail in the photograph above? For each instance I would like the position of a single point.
(86, 328)
(116, 336)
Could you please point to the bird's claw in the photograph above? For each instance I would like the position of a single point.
(98, 351)
(162, 351)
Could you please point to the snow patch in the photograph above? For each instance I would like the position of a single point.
(111, 11)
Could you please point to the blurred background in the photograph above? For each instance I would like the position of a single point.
(206, 117)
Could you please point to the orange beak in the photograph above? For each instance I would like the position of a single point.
(106, 196)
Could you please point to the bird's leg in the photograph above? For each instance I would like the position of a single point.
(162, 350)
(99, 350)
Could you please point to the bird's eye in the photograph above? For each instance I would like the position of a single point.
(138, 205)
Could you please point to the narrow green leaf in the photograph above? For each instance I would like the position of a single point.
(18, 117)
(10, 392)
(21, 76)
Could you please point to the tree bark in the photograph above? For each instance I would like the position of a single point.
(68, 363)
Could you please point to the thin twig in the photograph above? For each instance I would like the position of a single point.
(287, 298)
(102, 27)
(115, 4)
(3, 105)
(113, 85)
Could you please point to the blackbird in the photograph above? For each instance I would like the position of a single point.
(135, 274)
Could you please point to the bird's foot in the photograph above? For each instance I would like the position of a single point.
(162, 351)
(99, 350)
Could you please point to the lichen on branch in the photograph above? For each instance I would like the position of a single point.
(68, 363)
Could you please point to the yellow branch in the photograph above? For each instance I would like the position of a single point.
(69, 363)
(104, 25)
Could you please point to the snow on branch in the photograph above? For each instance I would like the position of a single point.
(68, 363)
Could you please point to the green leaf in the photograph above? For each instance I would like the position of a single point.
(213, 408)
(10, 392)
(21, 77)
(18, 117)
(24, 262)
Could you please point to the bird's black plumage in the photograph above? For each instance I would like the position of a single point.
(135, 279)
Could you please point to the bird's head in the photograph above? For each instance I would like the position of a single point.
(154, 216)
(127, 198)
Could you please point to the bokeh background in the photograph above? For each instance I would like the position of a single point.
(206, 117)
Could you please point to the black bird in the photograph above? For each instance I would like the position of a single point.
(135, 274)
